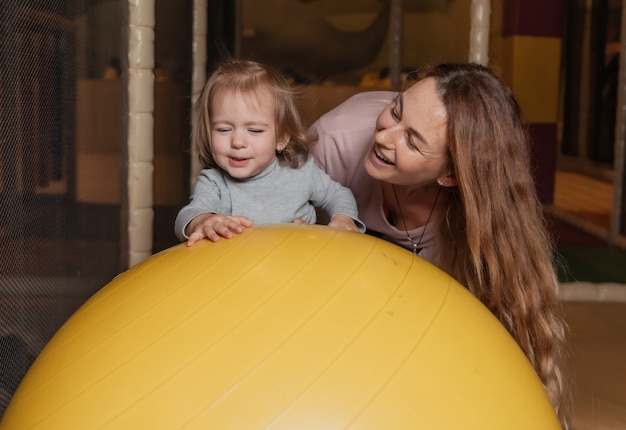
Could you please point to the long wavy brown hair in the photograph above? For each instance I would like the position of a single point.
(244, 77)
(493, 238)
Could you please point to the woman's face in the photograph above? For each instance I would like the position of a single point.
(410, 141)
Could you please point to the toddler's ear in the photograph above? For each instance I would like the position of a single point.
(282, 143)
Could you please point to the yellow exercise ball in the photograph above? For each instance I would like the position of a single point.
(282, 327)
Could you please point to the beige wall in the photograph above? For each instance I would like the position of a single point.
(99, 142)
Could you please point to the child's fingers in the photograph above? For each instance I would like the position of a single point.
(242, 221)
(219, 226)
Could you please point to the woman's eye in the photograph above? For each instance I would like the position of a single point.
(411, 144)
(394, 114)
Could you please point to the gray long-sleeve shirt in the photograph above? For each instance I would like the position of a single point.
(277, 195)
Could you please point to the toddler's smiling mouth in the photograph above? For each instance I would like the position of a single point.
(238, 161)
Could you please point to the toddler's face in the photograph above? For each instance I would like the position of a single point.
(243, 132)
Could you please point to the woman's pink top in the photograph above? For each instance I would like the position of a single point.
(345, 136)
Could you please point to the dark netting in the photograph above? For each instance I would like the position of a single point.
(60, 160)
(54, 250)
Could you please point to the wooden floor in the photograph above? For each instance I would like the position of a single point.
(597, 342)
(586, 203)
(588, 198)
(595, 313)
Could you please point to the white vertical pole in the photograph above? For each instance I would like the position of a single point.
(138, 166)
(198, 72)
(479, 32)
(618, 217)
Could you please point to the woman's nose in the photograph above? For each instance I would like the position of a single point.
(387, 136)
(386, 130)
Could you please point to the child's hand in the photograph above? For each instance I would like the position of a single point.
(214, 226)
(343, 222)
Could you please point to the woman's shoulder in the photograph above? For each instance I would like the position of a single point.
(357, 114)
(367, 100)
(345, 134)
(373, 96)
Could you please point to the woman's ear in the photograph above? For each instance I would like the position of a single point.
(447, 180)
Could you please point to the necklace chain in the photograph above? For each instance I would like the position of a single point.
(416, 247)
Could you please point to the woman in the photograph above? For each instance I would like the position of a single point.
(443, 169)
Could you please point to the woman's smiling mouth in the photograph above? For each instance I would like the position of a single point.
(381, 157)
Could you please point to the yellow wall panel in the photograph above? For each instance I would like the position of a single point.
(531, 67)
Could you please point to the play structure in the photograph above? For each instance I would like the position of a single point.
(95, 162)
(284, 327)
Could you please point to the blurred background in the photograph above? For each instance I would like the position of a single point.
(63, 124)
